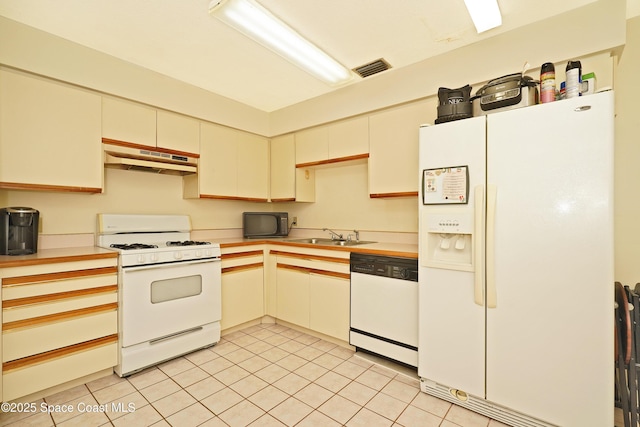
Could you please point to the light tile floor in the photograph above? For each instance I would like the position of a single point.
(265, 375)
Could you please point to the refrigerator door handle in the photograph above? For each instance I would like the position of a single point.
(478, 232)
(492, 193)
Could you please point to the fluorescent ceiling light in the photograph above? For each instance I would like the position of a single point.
(484, 13)
(259, 24)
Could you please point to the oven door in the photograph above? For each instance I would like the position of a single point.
(158, 301)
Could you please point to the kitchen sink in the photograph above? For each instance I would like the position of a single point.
(330, 242)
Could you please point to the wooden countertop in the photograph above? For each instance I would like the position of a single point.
(386, 249)
(52, 256)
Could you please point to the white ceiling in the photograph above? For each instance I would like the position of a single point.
(179, 39)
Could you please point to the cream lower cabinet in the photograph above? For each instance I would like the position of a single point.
(242, 286)
(292, 295)
(312, 291)
(50, 135)
(329, 305)
(59, 324)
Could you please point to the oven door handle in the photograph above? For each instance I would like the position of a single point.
(170, 264)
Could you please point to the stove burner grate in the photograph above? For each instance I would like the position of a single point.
(131, 246)
(187, 243)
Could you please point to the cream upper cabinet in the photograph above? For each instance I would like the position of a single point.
(49, 135)
(393, 157)
(233, 165)
(334, 142)
(135, 123)
(178, 132)
(253, 167)
(349, 138)
(287, 182)
(283, 168)
(218, 164)
(128, 122)
(312, 145)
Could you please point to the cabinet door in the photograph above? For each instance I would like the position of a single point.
(129, 122)
(393, 144)
(177, 132)
(218, 167)
(292, 296)
(312, 145)
(283, 168)
(49, 134)
(242, 296)
(329, 305)
(253, 167)
(349, 138)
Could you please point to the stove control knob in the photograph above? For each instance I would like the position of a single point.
(177, 255)
(198, 254)
(141, 259)
(207, 252)
(154, 257)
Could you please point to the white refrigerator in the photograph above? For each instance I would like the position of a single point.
(516, 263)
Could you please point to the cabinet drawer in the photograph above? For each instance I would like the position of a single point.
(59, 367)
(43, 284)
(40, 338)
(25, 308)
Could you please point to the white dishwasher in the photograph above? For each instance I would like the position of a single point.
(384, 306)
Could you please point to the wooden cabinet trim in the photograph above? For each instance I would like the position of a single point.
(345, 276)
(148, 147)
(64, 275)
(18, 302)
(34, 321)
(61, 352)
(245, 199)
(311, 257)
(287, 199)
(57, 260)
(242, 254)
(391, 195)
(44, 187)
(336, 160)
(242, 267)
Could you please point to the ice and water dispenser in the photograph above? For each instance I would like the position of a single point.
(447, 219)
(448, 241)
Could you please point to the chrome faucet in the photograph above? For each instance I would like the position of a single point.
(334, 235)
(350, 236)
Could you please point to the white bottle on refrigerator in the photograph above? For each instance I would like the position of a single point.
(520, 327)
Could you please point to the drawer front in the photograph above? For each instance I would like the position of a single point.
(25, 310)
(29, 286)
(236, 262)
(60, 267)
(33, 378)
(27, 341)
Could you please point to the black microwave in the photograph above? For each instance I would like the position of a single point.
(265, 224)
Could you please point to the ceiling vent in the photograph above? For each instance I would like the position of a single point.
(375, 67)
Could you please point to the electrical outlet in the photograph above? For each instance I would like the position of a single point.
(294, 220)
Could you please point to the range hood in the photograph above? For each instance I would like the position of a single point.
(123, 155)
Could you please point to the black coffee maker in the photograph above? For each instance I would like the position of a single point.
(19, 231)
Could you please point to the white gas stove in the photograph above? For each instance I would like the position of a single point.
(169, 288)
